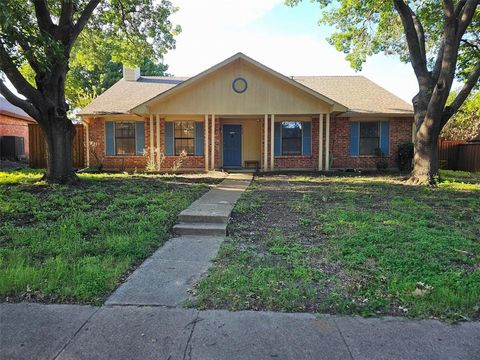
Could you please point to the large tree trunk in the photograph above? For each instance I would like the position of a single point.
(59, 133)
(425, 161)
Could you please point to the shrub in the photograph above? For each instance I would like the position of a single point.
(405, 156)
(382, 164)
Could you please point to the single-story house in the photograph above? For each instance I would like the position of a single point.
(241, 114)
(14, 122)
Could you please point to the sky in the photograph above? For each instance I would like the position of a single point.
(288, 40)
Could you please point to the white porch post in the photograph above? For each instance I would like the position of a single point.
(152, 154)
(265, 145)
(272, 130)
(320, 142)
(213, 142)
(206, 143)
(327, 142)
(158, 142)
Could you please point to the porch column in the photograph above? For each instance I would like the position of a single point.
(206, 143)
(320, 142)
(272, 129)
(265, 145)
(158, 142)
(327, 142)
(152, 154)
(213, 142)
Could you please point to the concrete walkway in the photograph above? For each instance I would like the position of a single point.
(167, 276)
(36, 331)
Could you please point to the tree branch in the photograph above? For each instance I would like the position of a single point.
(16, 78)
(462, 95)
(43, 16)
(417, 55)
(15, 100)
(83, 19)
(465, 17)
(66, 13)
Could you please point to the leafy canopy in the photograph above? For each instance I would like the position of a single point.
(465, 124)
(132, 32)
(369, 27)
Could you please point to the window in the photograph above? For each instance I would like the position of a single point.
(184, 137)
(291, 138)
(369, 138)
(124, 138)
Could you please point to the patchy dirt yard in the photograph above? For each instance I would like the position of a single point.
(351, 244)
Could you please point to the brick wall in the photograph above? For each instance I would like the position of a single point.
(400, 131)
(10, 126)
(139, 162)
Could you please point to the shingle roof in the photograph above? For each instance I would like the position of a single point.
(357, 93)
(125, 95)
(12, 110)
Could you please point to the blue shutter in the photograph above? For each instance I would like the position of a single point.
(109, 138)
(385, 137)
(307, 138)
(199, 138)
(169, 139)
(277, 142)
(140, 137)
(354, 138)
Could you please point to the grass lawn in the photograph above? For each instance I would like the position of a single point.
(76, 243)
(351, 245)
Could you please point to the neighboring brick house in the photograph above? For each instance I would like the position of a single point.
(13, 131)
(240, 114)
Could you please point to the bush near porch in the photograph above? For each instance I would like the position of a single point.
(365, 245)
(77, 243)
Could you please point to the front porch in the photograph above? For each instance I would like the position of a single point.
(238, 142)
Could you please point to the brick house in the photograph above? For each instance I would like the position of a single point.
(241, 114)
(13, 131)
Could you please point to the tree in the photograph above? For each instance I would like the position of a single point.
(44, 35)
(465, 124)
(441, 40)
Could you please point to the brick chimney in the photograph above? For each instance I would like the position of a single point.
(131, 74)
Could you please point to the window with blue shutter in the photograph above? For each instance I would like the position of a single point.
(140, 137)
(354, 138)
(277, 134)
(199, 138)
(169, 138)
(385, 137)
(109, 138)
(307, 138)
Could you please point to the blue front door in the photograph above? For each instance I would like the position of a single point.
(232, 145)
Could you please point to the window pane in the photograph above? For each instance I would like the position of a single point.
(291, 138)
(368, 146)
(369, 129)
(125, 146)
(184, 144)
(125, 138)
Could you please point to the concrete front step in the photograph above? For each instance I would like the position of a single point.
(217, 229)
(202, 218)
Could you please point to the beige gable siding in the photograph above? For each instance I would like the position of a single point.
(214, 94)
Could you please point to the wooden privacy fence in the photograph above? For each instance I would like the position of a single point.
(38, 147)
(459, 155)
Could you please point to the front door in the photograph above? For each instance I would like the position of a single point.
(232, 145)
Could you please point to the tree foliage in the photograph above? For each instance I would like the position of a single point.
(465, 124)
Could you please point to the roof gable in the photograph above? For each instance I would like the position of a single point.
(257, 75)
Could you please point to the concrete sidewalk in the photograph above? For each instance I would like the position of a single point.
(36, 331)
(167, 276)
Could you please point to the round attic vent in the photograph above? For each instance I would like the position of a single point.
(239, 85)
